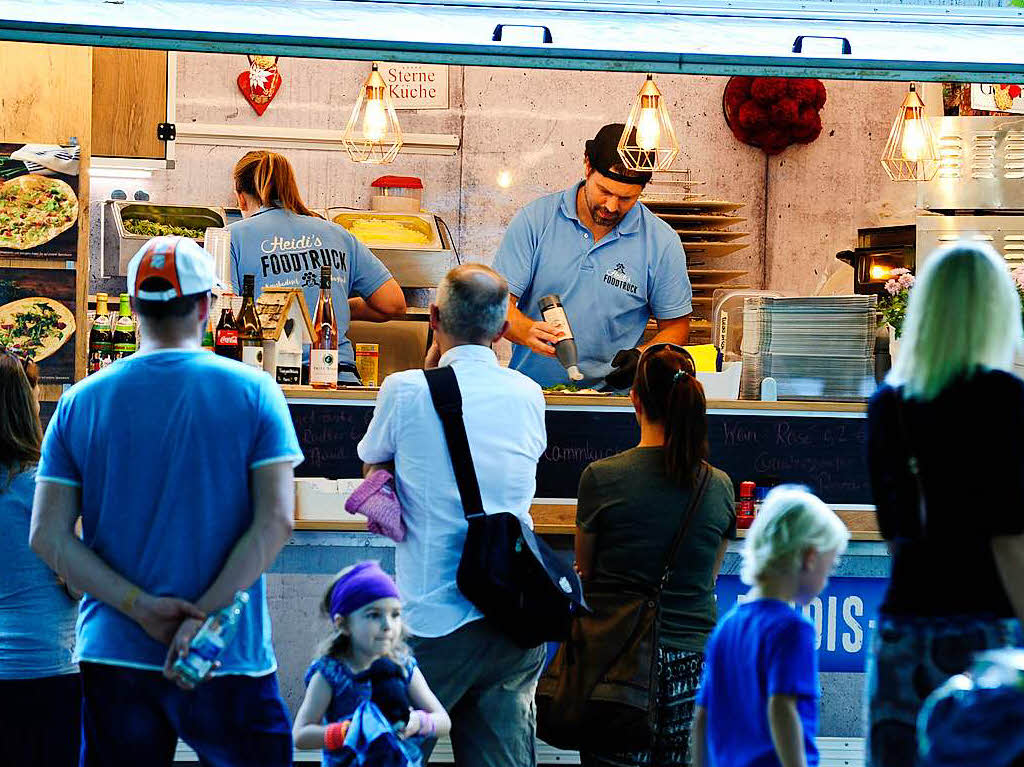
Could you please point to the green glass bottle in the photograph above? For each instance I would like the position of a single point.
(125, 339)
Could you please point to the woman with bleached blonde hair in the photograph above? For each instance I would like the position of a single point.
(946, 459)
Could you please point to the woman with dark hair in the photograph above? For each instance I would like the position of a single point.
(283, 243)
(40, 696)
(629, 509)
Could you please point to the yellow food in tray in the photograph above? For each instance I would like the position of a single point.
(383, 230)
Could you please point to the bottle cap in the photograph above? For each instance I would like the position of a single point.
(574, 373)
(747, 489)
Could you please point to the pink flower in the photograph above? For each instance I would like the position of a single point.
(891, 287)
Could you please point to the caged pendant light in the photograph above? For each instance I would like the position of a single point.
(373, 135)
(911, 153)
(648, 142)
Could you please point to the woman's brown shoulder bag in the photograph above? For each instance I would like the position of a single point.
(599, 690)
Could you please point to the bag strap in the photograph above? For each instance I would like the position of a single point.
(912, 464)
(700, 486)
(447, 399)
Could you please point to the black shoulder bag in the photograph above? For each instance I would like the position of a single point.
(513, 577)
(600, 691)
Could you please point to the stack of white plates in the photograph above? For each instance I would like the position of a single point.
(815, 348)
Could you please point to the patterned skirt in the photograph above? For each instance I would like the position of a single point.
(911, 656)
(679, 675)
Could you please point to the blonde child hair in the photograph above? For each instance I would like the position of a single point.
(339, 642)
(792, 520)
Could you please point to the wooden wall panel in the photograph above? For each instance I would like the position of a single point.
(46, 98)
(129, 100)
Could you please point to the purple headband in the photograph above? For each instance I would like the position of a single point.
(363, 584)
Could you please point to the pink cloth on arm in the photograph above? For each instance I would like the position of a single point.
(377, 500)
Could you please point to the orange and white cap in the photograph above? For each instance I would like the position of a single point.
(182, 262)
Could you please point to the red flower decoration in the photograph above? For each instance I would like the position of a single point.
(773, 112)
(1014, 91)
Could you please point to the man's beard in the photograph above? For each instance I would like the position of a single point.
(599, 214)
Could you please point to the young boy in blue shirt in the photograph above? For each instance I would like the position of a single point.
(758, 702)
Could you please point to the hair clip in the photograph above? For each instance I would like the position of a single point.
(681, 373)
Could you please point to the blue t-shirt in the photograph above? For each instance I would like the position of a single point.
(761, 648)
(609, 289)
(161, 445)
(284, 249)
(37, 617)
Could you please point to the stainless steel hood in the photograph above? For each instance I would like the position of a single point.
(832, 40)
(981, 165)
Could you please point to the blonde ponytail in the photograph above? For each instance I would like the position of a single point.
(269, 178)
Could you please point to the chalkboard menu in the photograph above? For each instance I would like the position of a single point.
(825, 453)
(328, 435)
(828, 454)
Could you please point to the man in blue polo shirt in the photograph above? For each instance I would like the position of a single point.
(613, 263)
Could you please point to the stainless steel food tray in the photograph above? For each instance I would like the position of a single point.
(118, 240)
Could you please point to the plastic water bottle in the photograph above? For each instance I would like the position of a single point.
(553, 312)
(213, 636)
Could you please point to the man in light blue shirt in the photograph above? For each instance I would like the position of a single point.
(180, 464)
(613, 263)
(481, 677)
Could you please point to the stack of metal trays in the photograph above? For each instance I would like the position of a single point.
(816, 348)
(706, 230)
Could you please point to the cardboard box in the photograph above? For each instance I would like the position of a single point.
(323, 500)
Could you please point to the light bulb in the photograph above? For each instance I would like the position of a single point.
(913, 144)
(375, 120)
(648, 129)
(504, 179)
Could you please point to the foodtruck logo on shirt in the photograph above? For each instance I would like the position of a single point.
(301, 254)
(618, 278)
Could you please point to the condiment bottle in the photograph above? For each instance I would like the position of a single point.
(553, 312)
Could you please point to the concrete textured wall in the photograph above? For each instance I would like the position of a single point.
(801, 207)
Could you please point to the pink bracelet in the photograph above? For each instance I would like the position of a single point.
(425, 716)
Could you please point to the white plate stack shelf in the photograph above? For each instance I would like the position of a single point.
(709, 230)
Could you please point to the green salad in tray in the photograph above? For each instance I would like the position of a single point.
(570, 389)
(149, 228)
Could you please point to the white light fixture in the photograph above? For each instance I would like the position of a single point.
(504, 179)
(112, 172)
(911, 153)
(379, 136)
(648, 142)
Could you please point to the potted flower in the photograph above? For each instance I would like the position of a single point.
(893, 305)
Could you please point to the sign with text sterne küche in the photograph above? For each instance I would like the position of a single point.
(416, 86)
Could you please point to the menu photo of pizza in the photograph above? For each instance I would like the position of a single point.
(39, 205)
(37, 318)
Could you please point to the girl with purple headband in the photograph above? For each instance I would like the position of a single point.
(364, 608)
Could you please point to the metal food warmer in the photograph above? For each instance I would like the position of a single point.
(416, 248)
(119, 244)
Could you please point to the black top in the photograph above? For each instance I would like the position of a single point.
(969, 445)
(635, 510)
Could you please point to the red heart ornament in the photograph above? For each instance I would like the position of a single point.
(259, 97)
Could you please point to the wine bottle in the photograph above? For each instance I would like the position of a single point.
(250, 332)
(323, 357)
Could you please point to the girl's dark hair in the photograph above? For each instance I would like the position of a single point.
(671, 395)
(20, 431)
(269, 178)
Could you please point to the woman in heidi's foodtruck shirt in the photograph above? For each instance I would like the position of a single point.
(284, 244)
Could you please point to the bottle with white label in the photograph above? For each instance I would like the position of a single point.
(323, 356)
(553, 312)
(250, 331)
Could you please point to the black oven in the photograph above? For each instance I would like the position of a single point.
(880, 251)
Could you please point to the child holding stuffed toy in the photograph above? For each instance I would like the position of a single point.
(366, 660)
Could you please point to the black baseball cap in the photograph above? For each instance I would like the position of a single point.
(603, 153)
